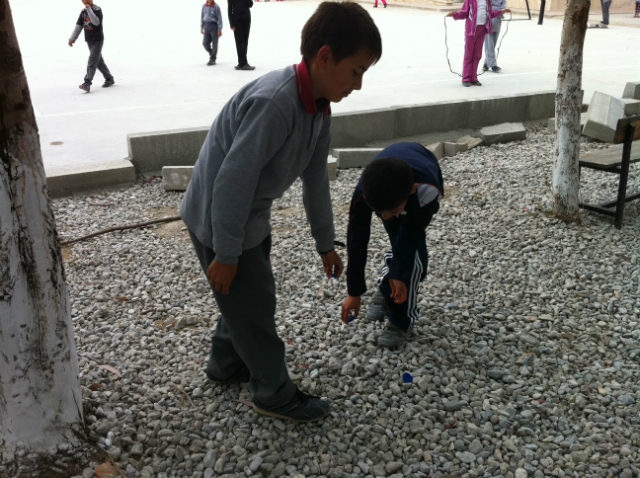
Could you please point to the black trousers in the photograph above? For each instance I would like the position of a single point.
(246, 332)
(241, 34)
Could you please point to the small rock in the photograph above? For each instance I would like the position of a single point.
(466, 456)
(521, 473)
(453, 406)
(393, 466)
(626, 399)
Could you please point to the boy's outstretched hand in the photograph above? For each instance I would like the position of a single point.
(351, 303)
(398, 290)
(221, 275)
(332, 264)
(450, 14)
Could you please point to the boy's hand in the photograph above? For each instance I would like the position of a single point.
(450, 14)
(351, 303)
(221, 275)
(332, 264)
(71, 42)
(202, 31)
(398, 291)
(219, 33)
(506, 10)
(233, 28)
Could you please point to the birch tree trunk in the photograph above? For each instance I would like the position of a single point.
(41, 422)
(566, 176)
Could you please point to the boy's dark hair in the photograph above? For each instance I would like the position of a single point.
(386, 183)
(344, 26)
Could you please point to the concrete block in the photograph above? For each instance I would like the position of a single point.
(73, 179)
(150, 152)
(451, 149)
(631, 106)
(437, 149)
(503, 133)
(470, 141)
(176, 178)
(632, 90)
(332, 164)
(421, 119)
(602, 117)
(357, 129)
(497, 110)
(355, 157)
(551, 125)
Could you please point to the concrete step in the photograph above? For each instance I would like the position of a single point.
(602, 117)
(72, 179)
(503, 133)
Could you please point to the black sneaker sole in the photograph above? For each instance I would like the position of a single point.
(240, 378)
(284, 417)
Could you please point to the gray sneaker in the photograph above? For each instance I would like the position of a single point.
(377, 309)
(247, 67)
(393, 336)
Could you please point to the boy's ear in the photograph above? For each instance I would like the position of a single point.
(324, 55)
(414, 188)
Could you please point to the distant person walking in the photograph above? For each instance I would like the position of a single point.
(383, 2)
(211, 29)
(240, 22)
(491, 39)
(90, 20)
(637, 15)
(606, 4)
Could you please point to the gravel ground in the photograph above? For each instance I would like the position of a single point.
(524, 360)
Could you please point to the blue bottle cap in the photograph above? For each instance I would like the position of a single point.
(335, 276)
(407, 377)
(351, 318)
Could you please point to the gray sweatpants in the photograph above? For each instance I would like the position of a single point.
(490, 42)
(96, 61)
(210, 39)
(246, 331)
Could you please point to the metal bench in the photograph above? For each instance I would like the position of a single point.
(616, 160)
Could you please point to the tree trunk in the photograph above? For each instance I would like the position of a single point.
(566, 175)
(42, 433)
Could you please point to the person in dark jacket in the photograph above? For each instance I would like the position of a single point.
(90, 20)
(403, 186)
(240, 22)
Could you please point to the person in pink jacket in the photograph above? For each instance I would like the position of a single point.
(479, 15)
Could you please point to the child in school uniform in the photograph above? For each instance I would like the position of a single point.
(243, 166)
(211, 29)
(478, 15)
(402, 185)
(491, 39)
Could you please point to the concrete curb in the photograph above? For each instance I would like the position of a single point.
(66, 181)
(150, 152)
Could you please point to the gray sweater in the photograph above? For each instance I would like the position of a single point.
(211, 14)
(260, 143)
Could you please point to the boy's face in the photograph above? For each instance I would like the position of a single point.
(338, 80)
(87, 3)
(395, 212)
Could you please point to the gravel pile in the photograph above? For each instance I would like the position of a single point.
(524, 361)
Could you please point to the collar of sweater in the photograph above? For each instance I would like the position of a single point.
(303, 80)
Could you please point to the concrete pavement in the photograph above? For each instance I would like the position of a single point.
(162, 81)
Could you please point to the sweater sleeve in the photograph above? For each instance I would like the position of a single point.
(219, 17)
(236, 182)
(316, 194)
(94, 16)
(358, 235)
(76, 32)
(202, 17)
(463, 13)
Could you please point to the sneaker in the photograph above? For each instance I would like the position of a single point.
(108, 83)
(604, 25)
(301, 408)
(211, 62)
(466, 84)
(393, 336)
(485, 67)
(476, 83)
(247, 67)
(496, 69)
(241, 376)
(377, 309)
(86, 87)
(375, 6)
(237, 67)
(385, 5)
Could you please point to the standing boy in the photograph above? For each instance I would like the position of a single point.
(491, 39)
(90, 20)
(245, 165)
(240, 23)
(402, 185)
(211, 29)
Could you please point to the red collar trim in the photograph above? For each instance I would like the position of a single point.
(303, 81)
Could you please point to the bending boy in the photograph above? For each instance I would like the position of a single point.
(402, 185)
(242, 168)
